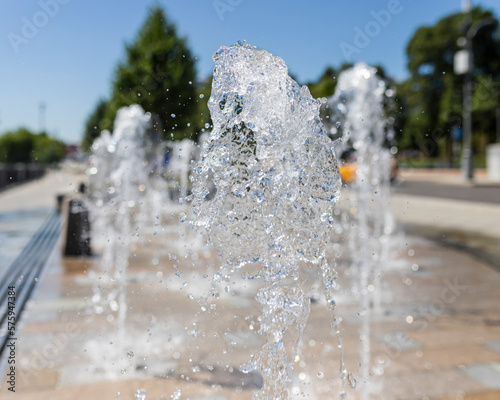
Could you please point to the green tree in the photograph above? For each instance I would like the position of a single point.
(48, 150)
(159, 74)
(203, 94)
(96, 122)
(25, 146)
(17, 146)
(433, 92)
(325, 86)
(327, 82)
(485, 102)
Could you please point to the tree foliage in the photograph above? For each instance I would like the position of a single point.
(327, 82)
(204, 90)
(25, 146)
(95, 123)
(159, 74)
(433, 93)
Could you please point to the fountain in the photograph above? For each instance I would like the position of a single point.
(119, 177)
(263, 192)
(357, 107)
(263, 195)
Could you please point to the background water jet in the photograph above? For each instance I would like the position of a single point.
(357, 110)
(119, 177)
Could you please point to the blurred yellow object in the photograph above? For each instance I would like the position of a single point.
(348, 172)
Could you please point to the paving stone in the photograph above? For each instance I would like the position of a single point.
(400, 341)
(451, 357)
(434, 384)
(494, 345)
(489, 395)
(487, 374)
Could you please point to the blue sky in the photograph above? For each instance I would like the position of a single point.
(66, 60)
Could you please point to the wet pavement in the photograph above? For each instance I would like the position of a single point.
(436, 336)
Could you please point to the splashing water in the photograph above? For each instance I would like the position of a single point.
(179, 165)
(118, 183)
(140, 394)
(119, 177)
(264, 190)
(358, 105)
(176, 395)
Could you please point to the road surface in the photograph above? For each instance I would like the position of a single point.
(485, 194)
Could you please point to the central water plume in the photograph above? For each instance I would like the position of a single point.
(264, 192)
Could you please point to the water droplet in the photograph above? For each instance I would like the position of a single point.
(140, 394)
(351, 381)
(246, 368)
(130, 354)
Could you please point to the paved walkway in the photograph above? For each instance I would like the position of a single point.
(466, 216)
(474, 225)
(438, 337)
(42, 192)
(24, 207)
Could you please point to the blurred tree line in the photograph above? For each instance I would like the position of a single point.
(25, 146)
(159, 73)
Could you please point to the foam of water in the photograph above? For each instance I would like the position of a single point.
(264, 191)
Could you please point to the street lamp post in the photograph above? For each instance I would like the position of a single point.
(467, 60)
(467, 160)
